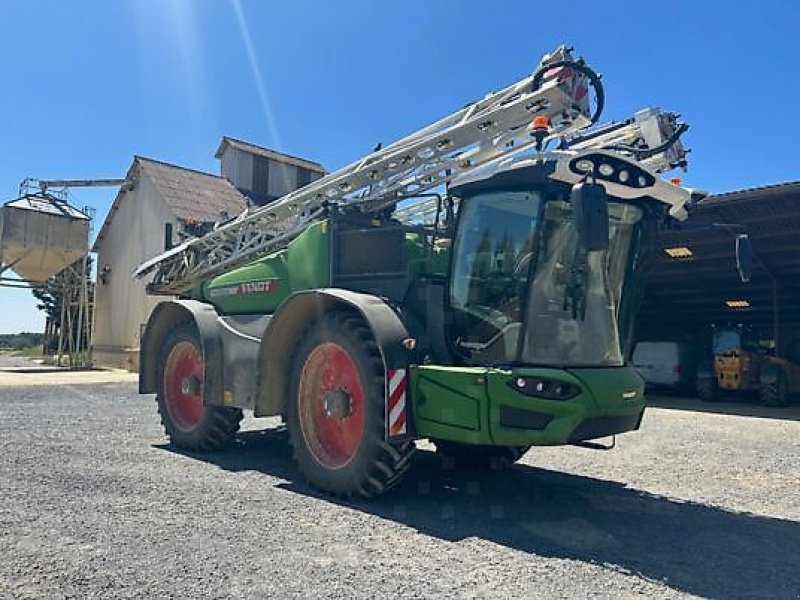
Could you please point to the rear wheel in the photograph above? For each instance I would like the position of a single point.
(479, 457)
(336, 411)
(707, 389)
(188, 422)
(775, 393)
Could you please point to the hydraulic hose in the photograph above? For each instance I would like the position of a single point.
(581, 67)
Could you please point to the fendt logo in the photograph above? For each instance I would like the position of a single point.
(265, 286)
(259, 287)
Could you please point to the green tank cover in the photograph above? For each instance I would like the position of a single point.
(260, 287)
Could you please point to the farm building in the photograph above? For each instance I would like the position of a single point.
(262, 174)
(151, 213)
(158, 207)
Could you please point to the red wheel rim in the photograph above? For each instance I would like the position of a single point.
(331, 405)
(183, 386)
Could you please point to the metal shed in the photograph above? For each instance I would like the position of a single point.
(691, 276)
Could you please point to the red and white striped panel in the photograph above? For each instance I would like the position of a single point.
(397, 401)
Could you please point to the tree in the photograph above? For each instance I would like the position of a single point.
(20, 341)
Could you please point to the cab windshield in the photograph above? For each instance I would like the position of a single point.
(524, 291)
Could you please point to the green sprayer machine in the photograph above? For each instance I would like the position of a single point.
(473, 283)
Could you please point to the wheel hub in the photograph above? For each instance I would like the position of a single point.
(331, 404)
(190, 386)
(338, 404)
(183, 386)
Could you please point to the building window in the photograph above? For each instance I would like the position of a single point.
(303, 177)
(167, 236)
(261, 177)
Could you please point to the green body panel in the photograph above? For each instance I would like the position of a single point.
(417, 261)
(440, 262)
(260, 287)
(308, 258)
(463, 404)
(450, 402)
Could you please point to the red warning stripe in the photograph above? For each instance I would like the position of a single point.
(397, 401)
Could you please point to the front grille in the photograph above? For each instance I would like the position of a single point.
(598, 427)
(517, 418)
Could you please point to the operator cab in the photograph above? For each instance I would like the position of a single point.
(532, 284)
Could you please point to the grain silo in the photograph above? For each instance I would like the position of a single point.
(41, 235)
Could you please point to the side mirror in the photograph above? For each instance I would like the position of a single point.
(590, 215)
(744, 257)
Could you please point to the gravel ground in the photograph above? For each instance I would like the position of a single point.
(93, 503)
(16, 371)
(8, 361)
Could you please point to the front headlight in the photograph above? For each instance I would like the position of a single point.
(540, 387)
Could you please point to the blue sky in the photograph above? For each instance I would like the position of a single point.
(85, 85)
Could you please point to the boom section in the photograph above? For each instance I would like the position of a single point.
(499, 124)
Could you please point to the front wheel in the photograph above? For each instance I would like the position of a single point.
(187, 421)
(707, 389)
(479, 457)
(775, 393)
(336, 411)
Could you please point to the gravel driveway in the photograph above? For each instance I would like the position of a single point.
(93, 503)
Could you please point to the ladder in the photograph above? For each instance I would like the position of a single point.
(553, 101)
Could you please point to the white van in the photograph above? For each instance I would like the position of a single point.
(667, 365)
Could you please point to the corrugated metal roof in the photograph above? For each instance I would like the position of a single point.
(190, 194)
(787, 187)
(47, 204)
(694, 289)
(267, 153)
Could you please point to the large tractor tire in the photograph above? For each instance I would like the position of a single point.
(188, 422)
(707, 389)
(479, 457)
(336, 411)
(775, 393)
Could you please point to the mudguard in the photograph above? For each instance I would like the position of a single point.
(300, 310)
(163, 318)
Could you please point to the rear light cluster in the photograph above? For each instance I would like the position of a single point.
(539, 387)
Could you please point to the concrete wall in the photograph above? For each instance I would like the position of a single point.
(135, 234)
